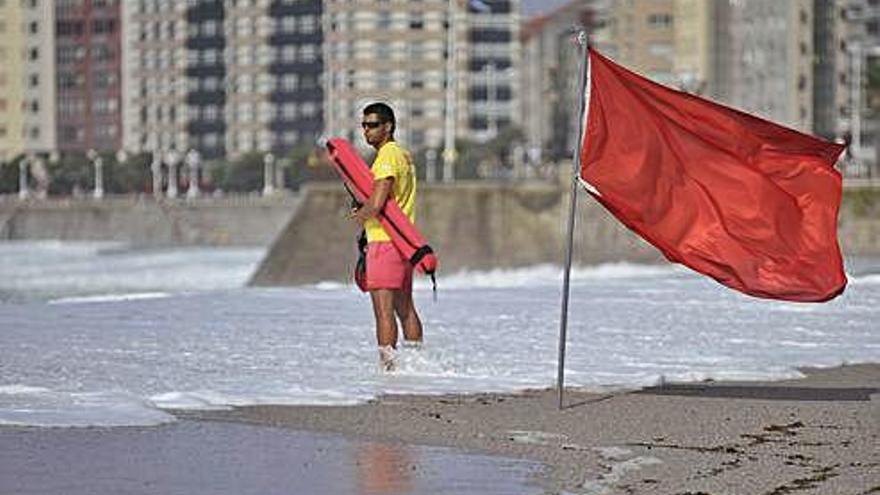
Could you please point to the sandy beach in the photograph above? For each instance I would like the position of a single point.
(815, 435)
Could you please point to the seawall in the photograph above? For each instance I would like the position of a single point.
(143, 221)
(496, 225)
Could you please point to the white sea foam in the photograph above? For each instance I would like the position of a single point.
(129, 360)
(545, 275)
(111, 298)
(54, 270)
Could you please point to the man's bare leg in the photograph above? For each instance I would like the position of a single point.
(386, 325)
(409, 317)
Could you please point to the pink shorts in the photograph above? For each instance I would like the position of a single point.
(386, 268)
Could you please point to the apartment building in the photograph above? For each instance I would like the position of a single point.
(225, 77)
(12, 81)
(642, 37)
(550, 74)
(493, 53)
(154, 76)
(88, 65)
(422, 58)
(772, 60)
(394, 52)
(27, 78)
(863, 48)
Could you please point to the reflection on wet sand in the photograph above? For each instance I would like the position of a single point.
(384, 469)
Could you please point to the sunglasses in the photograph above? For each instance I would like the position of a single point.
(371, 125)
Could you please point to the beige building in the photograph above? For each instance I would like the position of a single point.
(12, 45)
(27, 78)
(222, 77)
(396, 51)
(642, 37)
(153, 76)
(694, 44)
(772, 71)
(374, 51)
(550, 76)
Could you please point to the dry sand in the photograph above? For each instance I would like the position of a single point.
(815, 435)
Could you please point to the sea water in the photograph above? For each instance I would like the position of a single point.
(101, 335)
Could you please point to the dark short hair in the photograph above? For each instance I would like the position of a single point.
(384, 111)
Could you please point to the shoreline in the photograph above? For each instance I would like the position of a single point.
(816, 434)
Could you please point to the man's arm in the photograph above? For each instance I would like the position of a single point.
(374, 204)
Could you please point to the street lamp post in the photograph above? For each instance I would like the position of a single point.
(856, 117)
(280, 165)
(98, 163)
(172, 158)
(268, 174)
(451, 94)
(23, 166)
(193, 161)
(156, 172)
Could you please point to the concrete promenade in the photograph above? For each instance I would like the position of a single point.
(487, 225)
(472, 225)
(142, 221)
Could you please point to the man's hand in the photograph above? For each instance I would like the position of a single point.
(374, 204)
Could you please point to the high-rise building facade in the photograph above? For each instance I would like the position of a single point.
(422, 58)
(376, 50)
(206, 75)
(292, 95)
(88, 66)
(772, 70)
(642, 37)
(493, 53)
(27, 78)
(863, 47)
(550, 75)
(225, 77)
(154, 76)
(12, 46)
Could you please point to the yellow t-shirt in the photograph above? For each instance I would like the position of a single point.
(394, 161)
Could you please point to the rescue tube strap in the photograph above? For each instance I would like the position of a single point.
(419, 254)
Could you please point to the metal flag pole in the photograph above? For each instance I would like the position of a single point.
(563, 320)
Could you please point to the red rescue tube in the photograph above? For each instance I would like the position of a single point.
(356, 174)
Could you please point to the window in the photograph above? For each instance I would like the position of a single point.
(308, 53)
(105, 131)
(104, 79)
(103, 53)
(288, 24)
(308, 24)
(384, 21)
(289, 111)
(70, 54)
(290, 82)
(103, 26)
(660, 21)
(34, 80)
(105, 106)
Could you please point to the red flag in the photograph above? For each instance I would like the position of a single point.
(745, 201)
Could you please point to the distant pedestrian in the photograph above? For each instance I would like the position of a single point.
(388, 274)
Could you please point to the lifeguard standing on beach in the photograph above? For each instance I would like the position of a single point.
(388, 274)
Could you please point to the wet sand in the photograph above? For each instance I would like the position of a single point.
(815, 435)
(221, 458)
